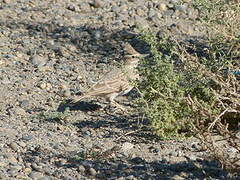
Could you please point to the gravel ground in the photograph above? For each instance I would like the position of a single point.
(52, 49)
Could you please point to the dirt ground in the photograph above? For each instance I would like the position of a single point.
(51, 50)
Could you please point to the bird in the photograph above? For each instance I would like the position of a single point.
(116, 82)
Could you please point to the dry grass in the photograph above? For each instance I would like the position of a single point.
(195, 89)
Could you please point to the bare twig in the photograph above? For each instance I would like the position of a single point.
(214, 122)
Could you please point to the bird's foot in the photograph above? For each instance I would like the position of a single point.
(118, 107)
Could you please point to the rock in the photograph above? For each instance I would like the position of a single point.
(24, 103)
(27, 137)
(64, 86)
(88, 164)
(47, 170)
(137, 160)
(170, 5)
(187, 1)
(149, 4)
(140, 11)
(156, 19)
(162, 7)
(12, 159)
(168, 13)
(131, 177)
(181, 8)
(174, 1)
(7, 1)
(127, 146)
(192, 157)
(85, 7)
(196, 146)
(232, 150)
(14, 146)
(45, 178)
(27, 170)
(97, 35)
(141, 23)
(115, 9)
(3, 164)
(19, 111)
(61, 162)
(36, 167)
(151, 13)
(38, 61)
(68, 178)
(96, 3)
(22, 144)
(73, 7)
(179, 153)
(2, 62)
(35, 175)
(46, 86)
(185, 28)
(193, 13)
(16, 168)
(12, 172)
(177, 177)
(92, 171)
(81, 169)
(238, 135)
(67, 93)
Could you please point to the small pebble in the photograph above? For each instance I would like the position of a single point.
(7, 1)
(96, 3)
(36, 167)
(16, 167)
(24, 103)
(238, 135)
(92, 171)
(67, 93)
(72, 7)
(38, 61)
(68, 178)
(27, 137)
(19, 111)
(162, 7)
(127, 146)
(14, 146)
(35, 175)
(85, 7)
(81, 169)
(22, 144)
(27, 170)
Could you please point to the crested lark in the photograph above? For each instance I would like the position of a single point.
(116, 82)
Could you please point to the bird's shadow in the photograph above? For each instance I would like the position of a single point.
(78, 106)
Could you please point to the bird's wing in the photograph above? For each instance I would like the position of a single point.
(112, 82)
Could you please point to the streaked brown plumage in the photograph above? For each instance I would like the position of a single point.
(116, 82)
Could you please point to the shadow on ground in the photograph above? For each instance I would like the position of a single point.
(109, 168)
(87, 39)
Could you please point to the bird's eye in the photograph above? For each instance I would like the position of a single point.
(133, 56)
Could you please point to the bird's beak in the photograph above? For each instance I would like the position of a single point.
(143, 55)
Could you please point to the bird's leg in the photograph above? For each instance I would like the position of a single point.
(118, 106)
(113, 102)
(75, 99)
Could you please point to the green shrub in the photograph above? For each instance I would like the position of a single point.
(180, 89)
(162, 95)
(194, 89)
